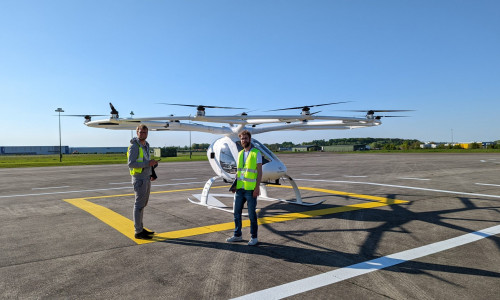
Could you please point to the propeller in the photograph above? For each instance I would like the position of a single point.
(87, 118)
(372, 111)
(200, 109)
(380, 117)
(245, 113)
(308, 107)
(370, 114)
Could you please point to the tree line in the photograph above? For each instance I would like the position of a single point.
(373, 143)
(379, 143)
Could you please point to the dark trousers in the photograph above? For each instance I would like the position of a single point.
(240, 198)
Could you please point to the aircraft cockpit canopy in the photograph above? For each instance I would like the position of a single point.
(223, 154)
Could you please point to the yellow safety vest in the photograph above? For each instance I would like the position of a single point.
(247, 171)
(134, 171)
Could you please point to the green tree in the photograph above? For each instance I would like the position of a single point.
(405, 145)
(390, 147)
(476, 146)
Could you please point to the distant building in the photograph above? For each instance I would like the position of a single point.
(344, 148)
(472, 145)
(98, 150)
(156, 152)
(32, 150)
(46, 150)
(429, 145)
(305, 148)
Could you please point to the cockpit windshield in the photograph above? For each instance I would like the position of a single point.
(226, 159)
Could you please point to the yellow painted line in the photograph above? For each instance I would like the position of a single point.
(113, 219)
(368, 197)
(125, 225)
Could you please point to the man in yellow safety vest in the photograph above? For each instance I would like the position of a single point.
(141, 169)
(248, 176)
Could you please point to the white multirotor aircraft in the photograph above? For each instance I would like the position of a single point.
(223, 153)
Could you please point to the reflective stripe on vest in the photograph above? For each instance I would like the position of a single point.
(247, 171)
(139, 159)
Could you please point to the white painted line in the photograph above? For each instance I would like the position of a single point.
(412, 178)
(403, 187)
(328, 278)
(51, 187)
(488, 184)
(355, 176)
(306, 174)
(94, 190)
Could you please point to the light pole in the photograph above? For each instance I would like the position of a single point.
(60, 110)
(190, 145)
(131, 116)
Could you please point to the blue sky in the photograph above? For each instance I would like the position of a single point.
(439, 58)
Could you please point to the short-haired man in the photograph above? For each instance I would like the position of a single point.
(141, 168)
(248, 176)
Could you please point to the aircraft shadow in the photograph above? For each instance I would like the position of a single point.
(392, 220)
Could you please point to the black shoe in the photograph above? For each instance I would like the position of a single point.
(147, 231)
(143, 236)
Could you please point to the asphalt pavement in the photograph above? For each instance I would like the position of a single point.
(397, 226)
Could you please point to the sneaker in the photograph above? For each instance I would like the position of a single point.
(234, 239)
(147, 231)
(143, 236)
(253, 242)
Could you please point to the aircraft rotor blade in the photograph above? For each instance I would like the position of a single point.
(383, 110)
(84, 115)
(306, 107)
(202, 106)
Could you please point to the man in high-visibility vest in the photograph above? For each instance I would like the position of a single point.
(141, 169)
(248, 176)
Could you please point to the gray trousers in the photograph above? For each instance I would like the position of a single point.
(142, 188)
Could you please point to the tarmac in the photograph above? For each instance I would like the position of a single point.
(397, 226)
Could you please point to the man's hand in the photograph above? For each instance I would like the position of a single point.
(153, 163)
(256, 192)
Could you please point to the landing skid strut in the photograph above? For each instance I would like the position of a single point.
(209, 200)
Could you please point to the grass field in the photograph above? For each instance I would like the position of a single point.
(24, 161)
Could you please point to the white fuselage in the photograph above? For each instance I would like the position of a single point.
(223, 157)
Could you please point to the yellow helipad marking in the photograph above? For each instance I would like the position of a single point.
(126, 226)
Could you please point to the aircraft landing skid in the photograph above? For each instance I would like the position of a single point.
(209, 200)
(298, 197)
